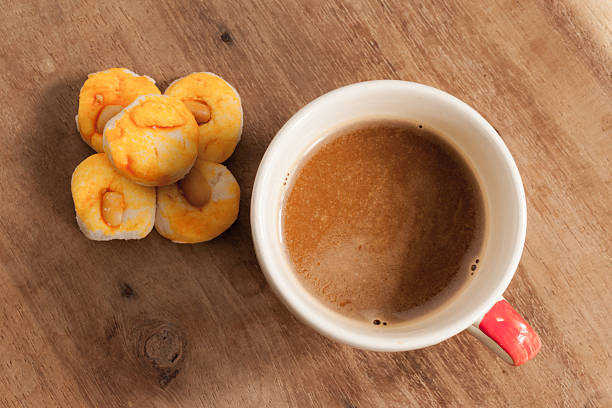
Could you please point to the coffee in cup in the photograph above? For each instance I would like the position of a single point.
(384, 221)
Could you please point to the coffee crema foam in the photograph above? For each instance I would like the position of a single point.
(383, 221)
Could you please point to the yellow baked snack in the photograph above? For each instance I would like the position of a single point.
(200, 207)
(217, 108)
(103, 95)
(108, 205)
(153, 141)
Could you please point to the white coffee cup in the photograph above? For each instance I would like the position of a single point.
(479, 307)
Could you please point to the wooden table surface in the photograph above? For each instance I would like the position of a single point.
(153, 324)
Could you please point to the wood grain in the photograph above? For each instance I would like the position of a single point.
(154, 324)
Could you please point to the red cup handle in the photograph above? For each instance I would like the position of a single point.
(506, 332)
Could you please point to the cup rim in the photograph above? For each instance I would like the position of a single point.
(378, 342)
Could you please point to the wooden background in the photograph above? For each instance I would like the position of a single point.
(154, 324)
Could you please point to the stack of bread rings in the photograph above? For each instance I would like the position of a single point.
(159, 157)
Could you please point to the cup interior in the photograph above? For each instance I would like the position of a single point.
(462, 127)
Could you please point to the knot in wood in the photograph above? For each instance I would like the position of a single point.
(164, 347)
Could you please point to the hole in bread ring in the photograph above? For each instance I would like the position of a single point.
(200, 109)
(112, 206)
(105, 115)
(195, 188)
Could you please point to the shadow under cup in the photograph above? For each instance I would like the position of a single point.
(469, 134)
